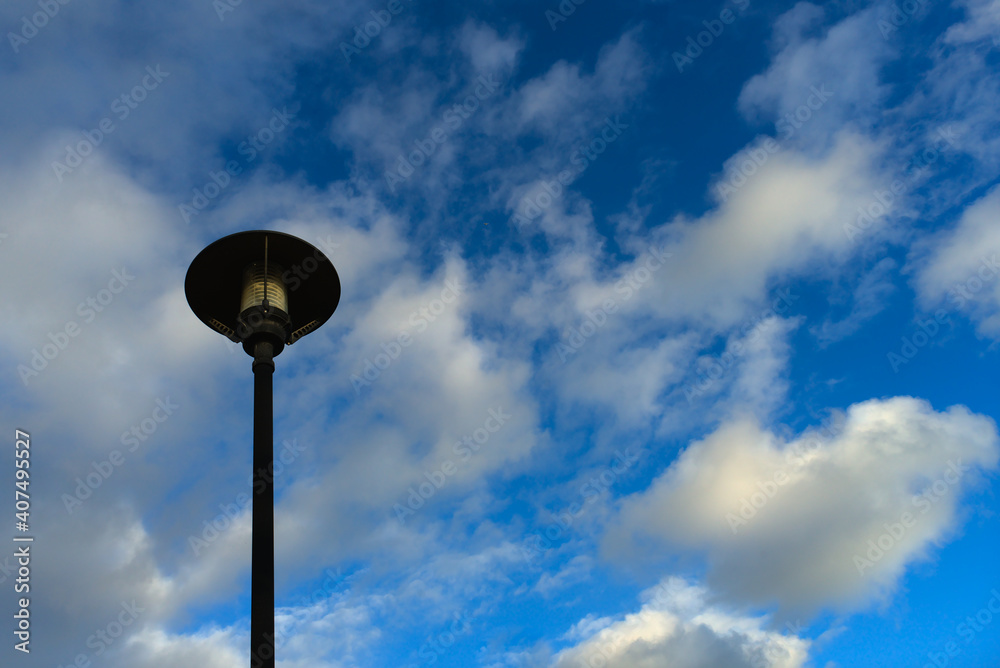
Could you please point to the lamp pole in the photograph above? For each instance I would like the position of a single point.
(265, 290)
(262, 548)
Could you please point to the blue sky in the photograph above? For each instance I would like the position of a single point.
(667, 338)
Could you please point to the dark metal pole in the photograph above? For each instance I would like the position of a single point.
(262, 549)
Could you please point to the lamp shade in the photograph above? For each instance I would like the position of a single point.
(228, 277)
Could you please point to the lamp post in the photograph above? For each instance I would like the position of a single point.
(265, 290)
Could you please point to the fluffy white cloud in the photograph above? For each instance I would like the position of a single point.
(676, 626)
(961, 265)
(846, 58)
(792, 523)
(983, 22)
(565, 101)
(487, 51)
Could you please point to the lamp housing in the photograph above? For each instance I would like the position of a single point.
(262, 285)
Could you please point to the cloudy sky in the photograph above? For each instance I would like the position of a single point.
(668, 334)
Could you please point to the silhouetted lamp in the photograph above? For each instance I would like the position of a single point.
(265, 290)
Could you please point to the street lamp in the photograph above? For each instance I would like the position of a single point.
(265, 290)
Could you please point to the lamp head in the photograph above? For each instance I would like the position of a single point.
(262, 286)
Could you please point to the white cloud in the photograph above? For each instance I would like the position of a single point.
(565, 102)
(961, 264)
(676, 626)
(789, 218)
(785, 523)
(983, 21)
(846, 58)
(486, 50)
